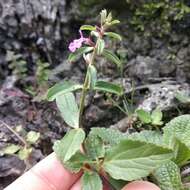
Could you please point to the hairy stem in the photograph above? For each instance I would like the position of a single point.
(85, 89)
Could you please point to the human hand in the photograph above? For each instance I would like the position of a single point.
(49, 174)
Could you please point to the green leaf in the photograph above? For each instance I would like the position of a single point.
(109, 136)
(91, 181)
(182, 98)
(109, 87)
(32, 137)
(110, 56)
(178, 128)
(92, 73)
(117, 184)
(113, 35)
(148, 136)
(157, 117)
(94, 146)
(62, 87)
(100, 46)
(130, 160)
(177, 136)
(182, 153)
(11, 149)
(24, 153)
(76, 162)
(69, 144)
(79, 52)
(88, 27)
(168, 177)
(103, 15)
(144, 116)
(115, 22)
(69, 109)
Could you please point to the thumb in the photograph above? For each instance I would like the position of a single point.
(141, 185)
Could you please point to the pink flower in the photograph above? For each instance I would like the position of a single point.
(77, 43)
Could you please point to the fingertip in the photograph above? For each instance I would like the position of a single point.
(47, 174)
(77, 185)
(141, 185)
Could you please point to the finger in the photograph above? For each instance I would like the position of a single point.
(141, 185)
(77, 185)
(49, 174)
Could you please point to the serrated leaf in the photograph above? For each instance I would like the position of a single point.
(182, 153)
(177, 136)
(11, 149)
(62, 87)
(94, 146)
(109, 136)
(157, 117)
(168, 177)
(113, 35)
(69, 144)
(88, 27)
(182, 98)
(76, 162)
(91, 181)
(110, 56)
(92, 73)
(69, 109)
(100, 46)
(144, 116)
(178, 128)
(109, 87)
(130, 160)
(24, 153)
(152, 137)
(76, 55)
(32, 137)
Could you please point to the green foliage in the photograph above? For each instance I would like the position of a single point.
(91, 181)
(182, 98)
(100, 46)
(109, 87)
(69, 109)
(168, 177)
(110, 56)
(76, 55)
(42, 73)
(61, 88)
(32, 137)
(157, 16)
(69, 145)
(28, 139)
(77, 162)
(113, 35)
(154, 118)
(129, 161)
(119, 156)
(92, 74)
(17, 64)
(177, 136)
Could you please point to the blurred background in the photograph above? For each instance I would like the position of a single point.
(34, 38)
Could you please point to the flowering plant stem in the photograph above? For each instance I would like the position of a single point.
(85, 88)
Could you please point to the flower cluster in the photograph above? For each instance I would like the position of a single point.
(77, 43)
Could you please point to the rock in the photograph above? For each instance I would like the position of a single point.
(11, 165)
(162, 95)
(144, 68)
